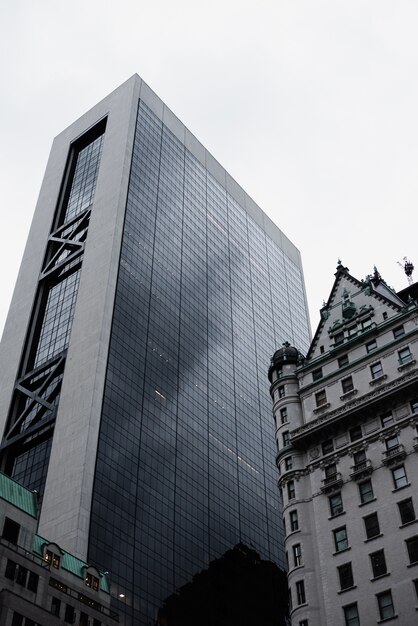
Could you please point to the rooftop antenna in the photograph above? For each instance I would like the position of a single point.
(408, 268)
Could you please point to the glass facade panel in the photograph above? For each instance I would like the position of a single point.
(185, 467)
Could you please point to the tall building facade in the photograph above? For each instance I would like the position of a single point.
(346, 432)
(133, 394)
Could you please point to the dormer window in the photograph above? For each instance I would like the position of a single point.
(52, 559)
(92, 581)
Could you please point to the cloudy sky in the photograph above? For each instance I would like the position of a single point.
(312, 105)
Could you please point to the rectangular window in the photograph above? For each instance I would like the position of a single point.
(10, 570)
(376, 370)
(385, 603)
(69, 616)
(366, 323)
(378, 563)
(283, 415)
(359, 458)
(281, 392)
(330, 470)
(366, 491)
(294, 522)
(327, 446)
(347, 384)
(321, 398)
(399, 477)
(386, 419)
(392, 442)
(343, 361)
(21, 575)
(317, 374)
(55, 606)
(291, 490)
(412, 546)
(371, 524)
(355, 433)
(398, 332)
(286, 438)
(404, 356)
(300, 592)
(297, 555)
(414, 405)
(335, 504)
(345, 574)
(371, 345)
(340, 539)
(352, 331)
(338, 338)
(406, 511)
(351, 617)
(288, 463)
(17, 619)
(11, 530)
(33, 581)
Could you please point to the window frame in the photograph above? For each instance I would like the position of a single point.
(345, 576)
(372, 525)
(343, 541)
(412, 549)
(300, 592)
(347, 384)
(351, 620)
(398, 332)
(297, 555)
(363, 493)
(371, 346)
(404, 511)
(376, 370)
(402, 480)
(294, 520)
(336, 509)
(383, 607)
(378, 563)
(321, 398)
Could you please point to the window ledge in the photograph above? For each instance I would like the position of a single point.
(413, 521)
(322, 407)
(292, 532)
(336, 515)
(348, 394)
(368, 502)
(387, 619)
(412, 564)
(373, 538)
(347, 589)
(341, 551)
(403, 366)
(379, 577)
(399, 488)
(378, 379)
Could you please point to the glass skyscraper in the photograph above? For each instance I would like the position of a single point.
(135, 402)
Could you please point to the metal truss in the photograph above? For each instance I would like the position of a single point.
(66, 244)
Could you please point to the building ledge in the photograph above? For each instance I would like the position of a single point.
(332, 483)
(373, 538)
(413, 521)
(372, 580)
(341, 551)
(399, 488)
(387, 619)
(322, 407)
(394, 455)
(347, 589)
(368, 502)
(336, 515)
(378, 379)
(348, 394)
(403, 366)
(360, 470)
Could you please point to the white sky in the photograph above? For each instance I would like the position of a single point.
(312, 105)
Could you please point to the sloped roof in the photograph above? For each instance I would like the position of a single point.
(19, 496)
(69, 562)
(378, 288)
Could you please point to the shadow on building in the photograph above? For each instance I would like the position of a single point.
(238, 589)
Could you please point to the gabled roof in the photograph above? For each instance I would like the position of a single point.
(373, 285)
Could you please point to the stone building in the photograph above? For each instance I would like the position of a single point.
(40, 583)
(346, 431)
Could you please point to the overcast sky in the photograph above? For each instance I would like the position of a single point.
(312, 105)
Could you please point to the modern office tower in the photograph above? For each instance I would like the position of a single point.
(347, 419)
(133, 389)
